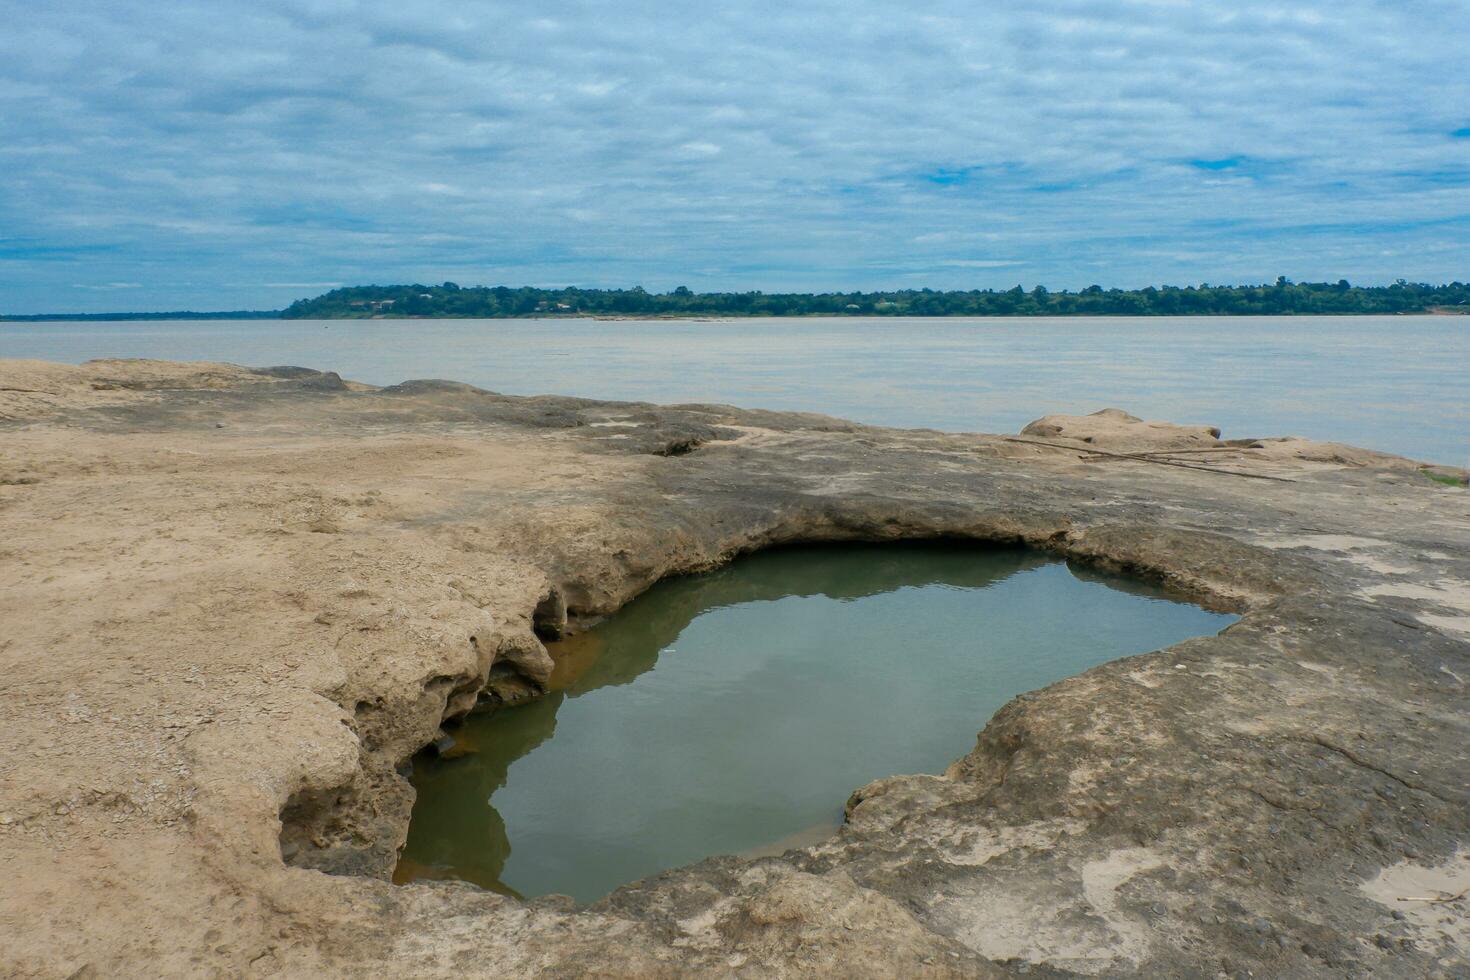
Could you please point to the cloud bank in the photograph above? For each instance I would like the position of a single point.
(239, 154)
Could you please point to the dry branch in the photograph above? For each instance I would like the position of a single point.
(1149, 459)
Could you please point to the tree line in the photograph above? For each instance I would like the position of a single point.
(1283, 297)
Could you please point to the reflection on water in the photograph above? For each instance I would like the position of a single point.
(733, 712)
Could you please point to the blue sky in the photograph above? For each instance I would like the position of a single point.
(224, 154)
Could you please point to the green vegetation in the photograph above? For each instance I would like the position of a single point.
(1448, 479)
(1281, 298)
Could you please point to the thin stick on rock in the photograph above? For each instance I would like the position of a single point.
(1181, 452)
(1442, 897)
(1149, 459)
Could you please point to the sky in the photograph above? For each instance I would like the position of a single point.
(233, 154)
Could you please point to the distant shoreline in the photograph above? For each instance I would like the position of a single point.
(698, 318)
(450, 301)
(113, 317)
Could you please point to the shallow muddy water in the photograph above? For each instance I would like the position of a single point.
(734, 712)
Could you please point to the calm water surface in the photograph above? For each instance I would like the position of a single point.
(734, 712)
(1392, 383)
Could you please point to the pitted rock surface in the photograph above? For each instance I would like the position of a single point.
(235, 601)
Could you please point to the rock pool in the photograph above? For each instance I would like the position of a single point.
(733, 712)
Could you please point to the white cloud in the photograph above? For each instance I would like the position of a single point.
(979, 263)
(753, 144)
(700, 149)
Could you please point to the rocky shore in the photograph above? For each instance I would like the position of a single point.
(233, 602)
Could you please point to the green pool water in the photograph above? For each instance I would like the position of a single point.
(734, 712)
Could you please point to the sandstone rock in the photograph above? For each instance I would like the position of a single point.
(161, 576)
(1116, 430)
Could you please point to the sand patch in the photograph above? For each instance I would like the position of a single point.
(1380, 566)
(1436, 927)
(1448, 594)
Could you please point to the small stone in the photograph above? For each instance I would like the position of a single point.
(1158, 908)
(449, 747)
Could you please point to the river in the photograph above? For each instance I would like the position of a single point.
(1393, 383)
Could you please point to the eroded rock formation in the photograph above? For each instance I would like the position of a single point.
(235, 601)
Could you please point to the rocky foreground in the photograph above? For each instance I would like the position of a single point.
(233, 602)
